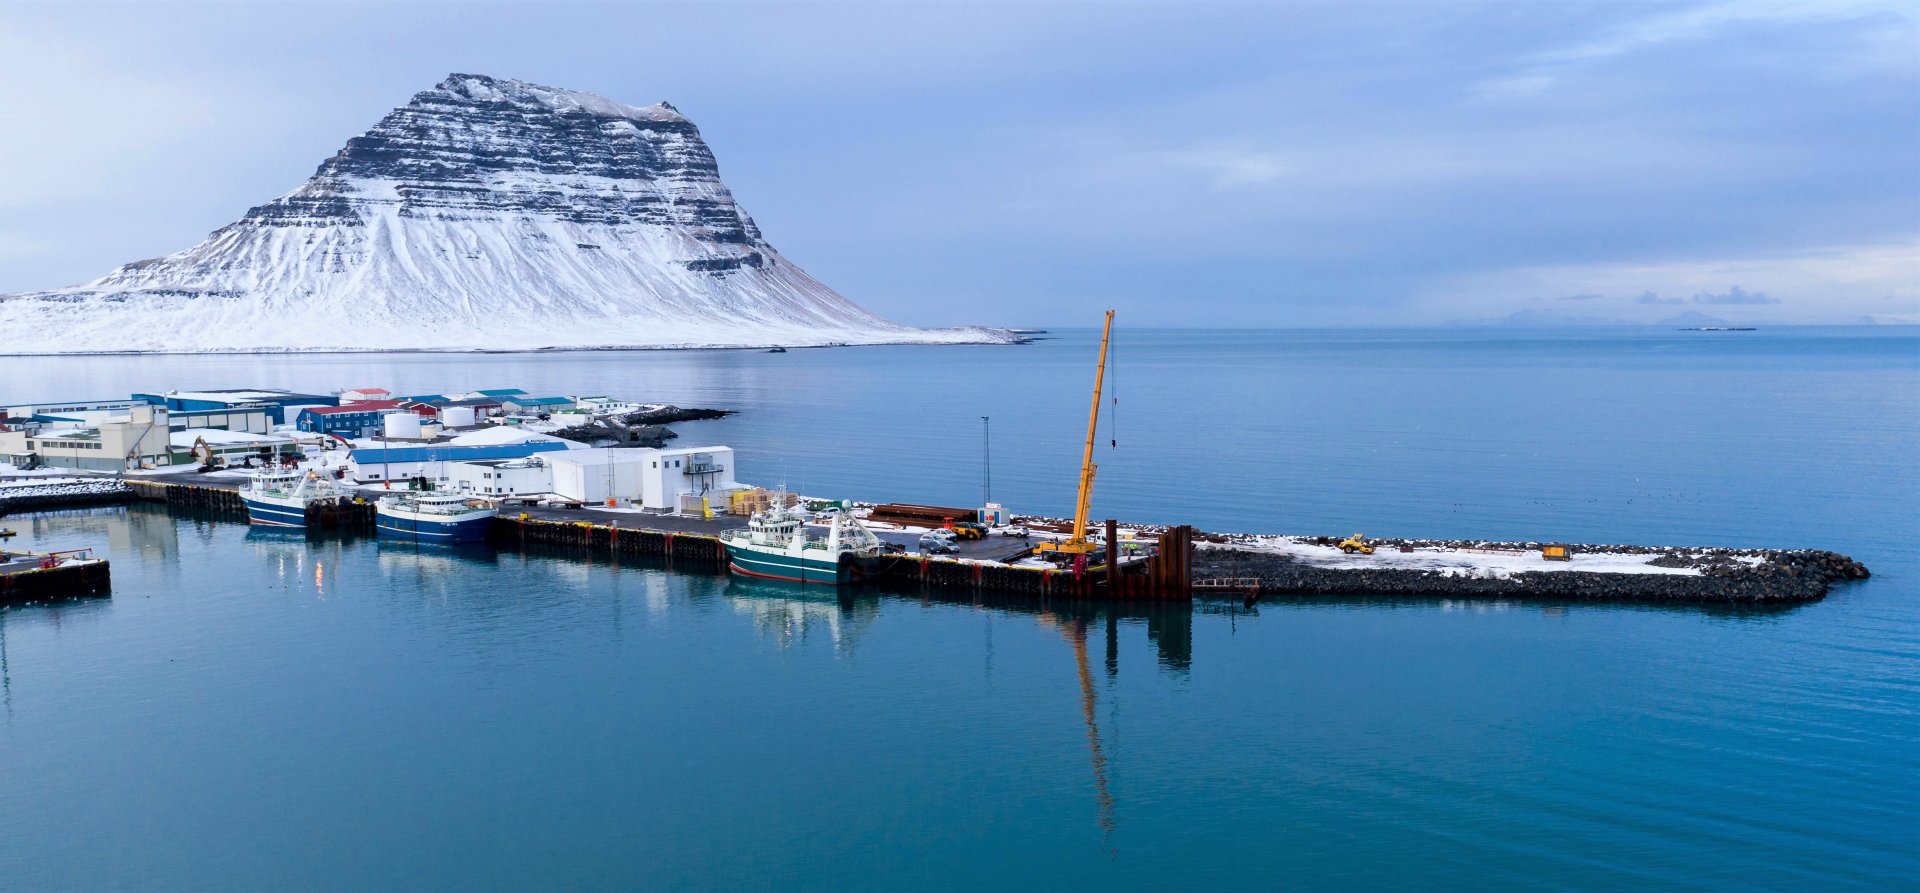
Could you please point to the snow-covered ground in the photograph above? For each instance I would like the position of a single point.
(43, 481)
(1455, 562)
(58, 486)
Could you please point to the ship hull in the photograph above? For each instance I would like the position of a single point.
(770, 565)
(275, 513)
(406, 526)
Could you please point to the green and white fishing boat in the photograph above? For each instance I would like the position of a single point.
(775, 545)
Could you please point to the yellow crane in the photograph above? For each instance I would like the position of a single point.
(1078, 544)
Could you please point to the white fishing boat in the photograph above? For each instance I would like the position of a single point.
(280, 497)
(434, 517)
(775, 545)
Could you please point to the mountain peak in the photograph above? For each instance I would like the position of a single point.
(488, 89)
(485, 213)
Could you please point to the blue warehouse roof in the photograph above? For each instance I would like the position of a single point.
(537, 401)
(452, 453)
(501, 392)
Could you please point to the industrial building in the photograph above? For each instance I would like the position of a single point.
(501, 477)
(280, 406)
(525, 405)
(656, 479)
(87, 414)
(372, 465)
(224, 447)
(67, 411)
(137, 439)
(434, 458)
(351, 420)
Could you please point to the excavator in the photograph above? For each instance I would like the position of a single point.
(203, 455)
(1078, 543)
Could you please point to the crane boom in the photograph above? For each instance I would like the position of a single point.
(1077, 544)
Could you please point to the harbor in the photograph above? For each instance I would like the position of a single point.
(1347, 679)
(591, 473)
(1156, 563)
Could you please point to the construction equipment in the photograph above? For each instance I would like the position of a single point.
(1556, 552)
(968, 530)
(1077, 543)
(1356, 543)
(203, 453)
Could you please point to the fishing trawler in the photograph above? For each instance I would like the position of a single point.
(280, 497)
(433, 517)
(775, 545)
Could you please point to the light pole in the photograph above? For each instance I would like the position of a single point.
(986, 460)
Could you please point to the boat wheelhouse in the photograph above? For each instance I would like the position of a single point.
(280, 497)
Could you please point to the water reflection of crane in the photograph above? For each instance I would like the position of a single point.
(1075, 632)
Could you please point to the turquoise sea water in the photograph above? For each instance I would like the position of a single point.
(251, 711)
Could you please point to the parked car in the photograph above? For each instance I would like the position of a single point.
(1011, 530)
(936, 541)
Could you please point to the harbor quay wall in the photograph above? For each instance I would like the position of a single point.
(224, 499)
(348, 514)
(701, 551)
(90, 578)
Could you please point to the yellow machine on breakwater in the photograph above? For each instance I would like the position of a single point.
(1077, 543)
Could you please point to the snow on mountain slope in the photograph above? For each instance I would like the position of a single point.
(485, 214)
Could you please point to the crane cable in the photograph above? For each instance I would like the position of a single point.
(1113, 410)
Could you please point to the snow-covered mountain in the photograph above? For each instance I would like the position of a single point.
(484, 214)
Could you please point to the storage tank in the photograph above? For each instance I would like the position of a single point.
(429, 430)
(403, 426)
(457, 416)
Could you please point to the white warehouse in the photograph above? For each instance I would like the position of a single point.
(657, 479)
(501, 477)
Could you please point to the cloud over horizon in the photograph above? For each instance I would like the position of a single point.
(1734, 295)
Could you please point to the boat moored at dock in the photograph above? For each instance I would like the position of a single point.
(433, 517)
(280, 497)
(776, 546)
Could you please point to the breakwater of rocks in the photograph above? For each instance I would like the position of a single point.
(64, 494)
(1724, 575)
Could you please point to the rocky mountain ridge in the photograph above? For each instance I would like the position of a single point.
(485, 214)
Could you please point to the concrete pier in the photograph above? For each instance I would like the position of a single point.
(1164, 564)
(34, 576)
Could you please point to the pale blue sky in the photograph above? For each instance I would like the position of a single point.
(1029, 164)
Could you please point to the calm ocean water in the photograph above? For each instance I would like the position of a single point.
(251, 711)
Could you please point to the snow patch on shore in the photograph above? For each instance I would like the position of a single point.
(1486, 563)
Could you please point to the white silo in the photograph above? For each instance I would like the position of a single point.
(457, 416)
